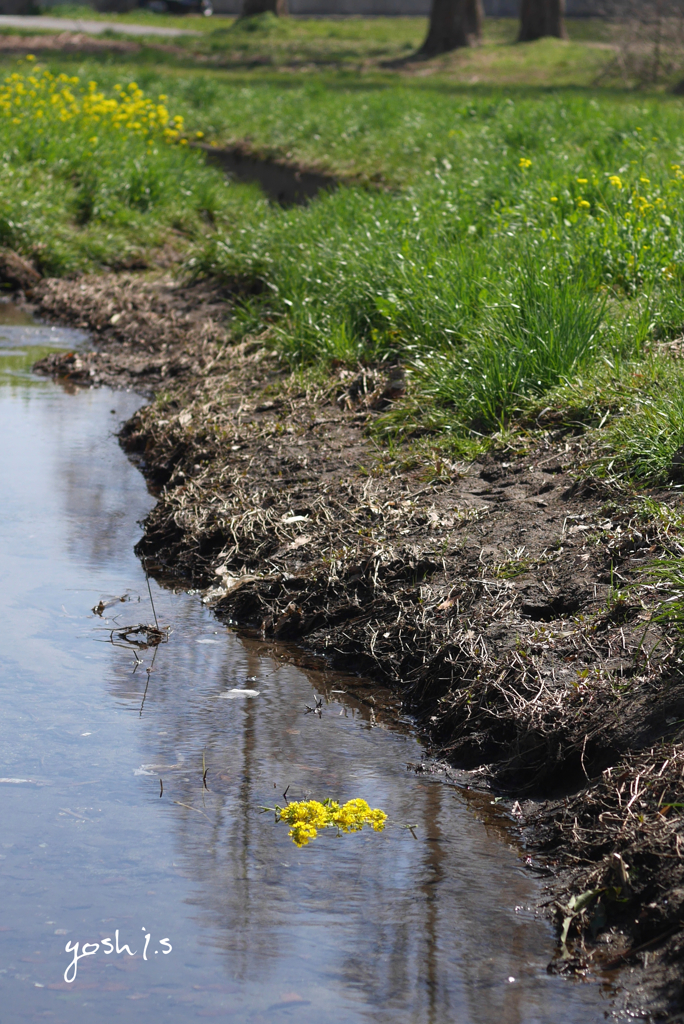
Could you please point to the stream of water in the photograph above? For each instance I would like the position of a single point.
(429, 927)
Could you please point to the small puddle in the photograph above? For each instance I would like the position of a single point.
(243, 926)
(285, 184)
(23, 342)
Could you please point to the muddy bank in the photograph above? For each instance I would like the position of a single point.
(506, 605)
(149, 332)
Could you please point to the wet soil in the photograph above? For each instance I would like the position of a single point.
(505, 603)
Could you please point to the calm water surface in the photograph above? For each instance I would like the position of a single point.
(367, 928)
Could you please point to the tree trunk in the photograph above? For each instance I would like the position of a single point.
(540, 18)
(250, 7)
(453, 23)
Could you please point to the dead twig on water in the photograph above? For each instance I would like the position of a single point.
(190, 808)
(149, 673)
(126, 636)
(149, 590)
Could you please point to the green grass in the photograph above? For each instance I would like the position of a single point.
(80, 191)
(513, 248)
(382, 47)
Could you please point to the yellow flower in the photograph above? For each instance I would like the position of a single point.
(377, 819)
(306, 817)
(646, 181)
(584, 205)
(525, 163)
(615, 180)
(301, 833)
(43, 97)
(582, 181)
(554, 199)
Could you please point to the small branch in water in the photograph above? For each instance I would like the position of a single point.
(191, 808)
(149, 588)
(149, 673)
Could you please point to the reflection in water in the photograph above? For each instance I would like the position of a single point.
(363, 928)
(22, 343)
(12, 315)
(386, 926)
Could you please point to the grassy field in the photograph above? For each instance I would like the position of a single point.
(516, 249)
(381, 45)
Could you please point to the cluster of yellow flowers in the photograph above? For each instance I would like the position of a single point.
(641, 203)
(306, 817)
(39, 100)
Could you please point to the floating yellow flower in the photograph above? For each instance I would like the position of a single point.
(306, 817)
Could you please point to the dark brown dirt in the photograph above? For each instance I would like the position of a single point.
(149, 333)
(507, 605)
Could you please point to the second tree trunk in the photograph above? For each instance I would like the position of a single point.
(539, 18)
(251, 7)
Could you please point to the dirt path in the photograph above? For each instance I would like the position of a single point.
(505, 604)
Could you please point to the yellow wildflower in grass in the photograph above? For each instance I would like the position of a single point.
(306, 817)
(584, 205)
(554, 199)
(582, 181)
(615, 180)
(525, 163)
(62, 100)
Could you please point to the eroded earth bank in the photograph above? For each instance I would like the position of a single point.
(511, 605)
